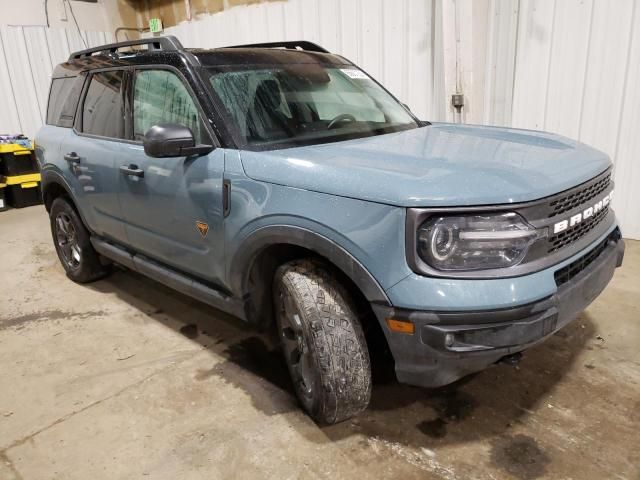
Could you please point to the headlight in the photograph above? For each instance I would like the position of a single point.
(475, 242)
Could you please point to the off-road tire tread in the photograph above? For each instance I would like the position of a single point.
(337, 341)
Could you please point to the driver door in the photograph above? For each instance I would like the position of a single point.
(172, 206)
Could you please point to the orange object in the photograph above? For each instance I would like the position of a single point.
(401, 326)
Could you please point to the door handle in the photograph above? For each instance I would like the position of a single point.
(132, 170)
(72, 157)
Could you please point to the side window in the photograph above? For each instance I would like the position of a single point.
(159, 96)
(63, 100)
(102, 112)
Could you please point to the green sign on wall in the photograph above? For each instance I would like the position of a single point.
(155, 25)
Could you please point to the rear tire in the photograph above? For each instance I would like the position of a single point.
(72, 242)
(322, 341)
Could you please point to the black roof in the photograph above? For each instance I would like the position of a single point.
(168, 50)
(263, 56)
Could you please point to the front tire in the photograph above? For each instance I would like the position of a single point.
(72, 242)
(322, 341)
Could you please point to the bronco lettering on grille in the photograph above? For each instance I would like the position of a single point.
(585, 214)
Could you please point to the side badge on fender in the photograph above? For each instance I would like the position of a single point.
(203, 228)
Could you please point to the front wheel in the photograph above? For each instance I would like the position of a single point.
(322, 341)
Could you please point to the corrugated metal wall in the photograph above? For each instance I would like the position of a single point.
(30, 53)
(568, 66)
(575, 69)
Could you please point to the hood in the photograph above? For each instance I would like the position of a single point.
(437, 165)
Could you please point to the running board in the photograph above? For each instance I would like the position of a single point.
(170, 278)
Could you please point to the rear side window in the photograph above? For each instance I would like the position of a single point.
(102, 112)
(63, 100)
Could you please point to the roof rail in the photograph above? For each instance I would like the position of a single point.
(300, 44)
(168, 43)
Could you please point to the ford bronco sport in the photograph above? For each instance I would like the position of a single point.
(282, 184)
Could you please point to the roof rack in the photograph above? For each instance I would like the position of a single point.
(301, 44)
(168, 43)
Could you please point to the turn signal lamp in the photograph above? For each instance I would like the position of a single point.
(401, 326)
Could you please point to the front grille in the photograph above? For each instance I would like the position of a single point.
(561, 210)
(562, 239)
(576, 198)
(565, 274)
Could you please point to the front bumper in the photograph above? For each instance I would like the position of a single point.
(449, 345)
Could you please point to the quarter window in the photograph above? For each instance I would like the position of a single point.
(102, 112)
(63, 100)
(161, 97)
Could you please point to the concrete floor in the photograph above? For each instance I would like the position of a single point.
(126, 379)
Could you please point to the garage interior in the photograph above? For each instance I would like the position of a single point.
(125, 378)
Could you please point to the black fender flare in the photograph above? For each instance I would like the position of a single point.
(264, 237)
(48, 177)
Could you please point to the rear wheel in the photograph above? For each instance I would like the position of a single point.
(72, 242)
(322, 341)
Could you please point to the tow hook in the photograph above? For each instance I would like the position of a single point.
(512, 360)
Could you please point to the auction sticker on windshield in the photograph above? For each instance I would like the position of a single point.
(353, 73)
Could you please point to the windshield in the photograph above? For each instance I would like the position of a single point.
(305, 104)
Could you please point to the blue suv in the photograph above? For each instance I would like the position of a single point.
(281, 183)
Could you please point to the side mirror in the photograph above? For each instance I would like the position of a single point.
(172, 140)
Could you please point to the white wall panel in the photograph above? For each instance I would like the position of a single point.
(393, 48)
(439, 109)
(372, 36)
(330, 32)
(349, 32)
(9, 119)
(21, 76)
(535, 35)
(309, 21)
(419, 61)
(38, 54)
(607, 63)
(57, 44)
(293, 29)
(576, 74)
(627, 153)
(500, 59)
(567, 66)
